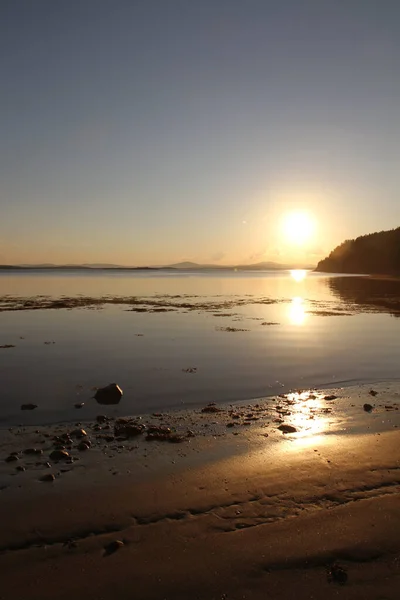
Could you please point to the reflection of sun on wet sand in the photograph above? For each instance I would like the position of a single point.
(233, 510)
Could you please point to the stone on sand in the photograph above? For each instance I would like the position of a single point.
(111, 394)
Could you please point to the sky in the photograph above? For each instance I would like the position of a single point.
(146, 132)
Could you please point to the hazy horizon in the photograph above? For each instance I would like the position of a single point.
(149, 133)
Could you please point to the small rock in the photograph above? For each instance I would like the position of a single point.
(11, 458)
(32, 451)
(230, 424)
(47, 477)
(83, 445)
(101, 419)
(111, 394)
(127, 429)
(79, 433)
(113, 547)
(287, 428)
(368, 407)
(79, 405)
(20, 468)
(211, 408)
(28, 406)
(373, 393)
(60, 455)
(331, 397)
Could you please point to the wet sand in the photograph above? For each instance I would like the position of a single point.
(232, 511)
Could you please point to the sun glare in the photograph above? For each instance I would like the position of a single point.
(298, 228)
(298, 274)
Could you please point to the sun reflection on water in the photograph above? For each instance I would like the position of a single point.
(297, 313)
(298, 274)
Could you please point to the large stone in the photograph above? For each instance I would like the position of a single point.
(111, 394)
(287, 428)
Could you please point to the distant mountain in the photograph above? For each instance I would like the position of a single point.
(186, 265)
(375, 253)
(261, 266)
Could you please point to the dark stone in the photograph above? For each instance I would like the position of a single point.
(373, 392)
(211, 408)
(47, 477)
(28, 406)
(126, 429)
(59, 455)
(79, 433)
(331, 397)
(287, 429)
(84, 445)
(113, 547)
(20, 468)
(230, 424)
(79, 405)
(368, 407)
(32, 451)
(111, 394)
(157, 429)
(101, 419)
(11, 458)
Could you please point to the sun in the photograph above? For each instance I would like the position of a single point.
(298, 228)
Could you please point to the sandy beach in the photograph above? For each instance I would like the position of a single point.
(232, 511)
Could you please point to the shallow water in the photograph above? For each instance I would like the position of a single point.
(327, 331)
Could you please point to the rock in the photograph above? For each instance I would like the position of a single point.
(32, 451)
(368, 407)
(127, 429)
(20, 468)
(11, 458)
(175, 438)
(113, 547)
(101, 419)
(65, 438)
(111, 394)
(230, 424)
(58, 455)
(287, 428)
(84, 445)
(157, 429)
(79, 405)
(79, 433)
(211, 408)
(28, 406)
(47, 477)
(373, 393)
(331, 397)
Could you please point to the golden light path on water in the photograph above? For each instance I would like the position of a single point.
(297, 313)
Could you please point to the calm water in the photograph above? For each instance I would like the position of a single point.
(313, 341)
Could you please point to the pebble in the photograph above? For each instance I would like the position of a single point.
(59, 455)
(47, 477)
(28, 406)
(113, 546)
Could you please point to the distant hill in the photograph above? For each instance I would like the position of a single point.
(375, 253)
(261, 266)
(187, 265)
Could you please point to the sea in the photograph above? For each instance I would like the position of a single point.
(176, 339)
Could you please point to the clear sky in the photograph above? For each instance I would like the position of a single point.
(153, 131)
